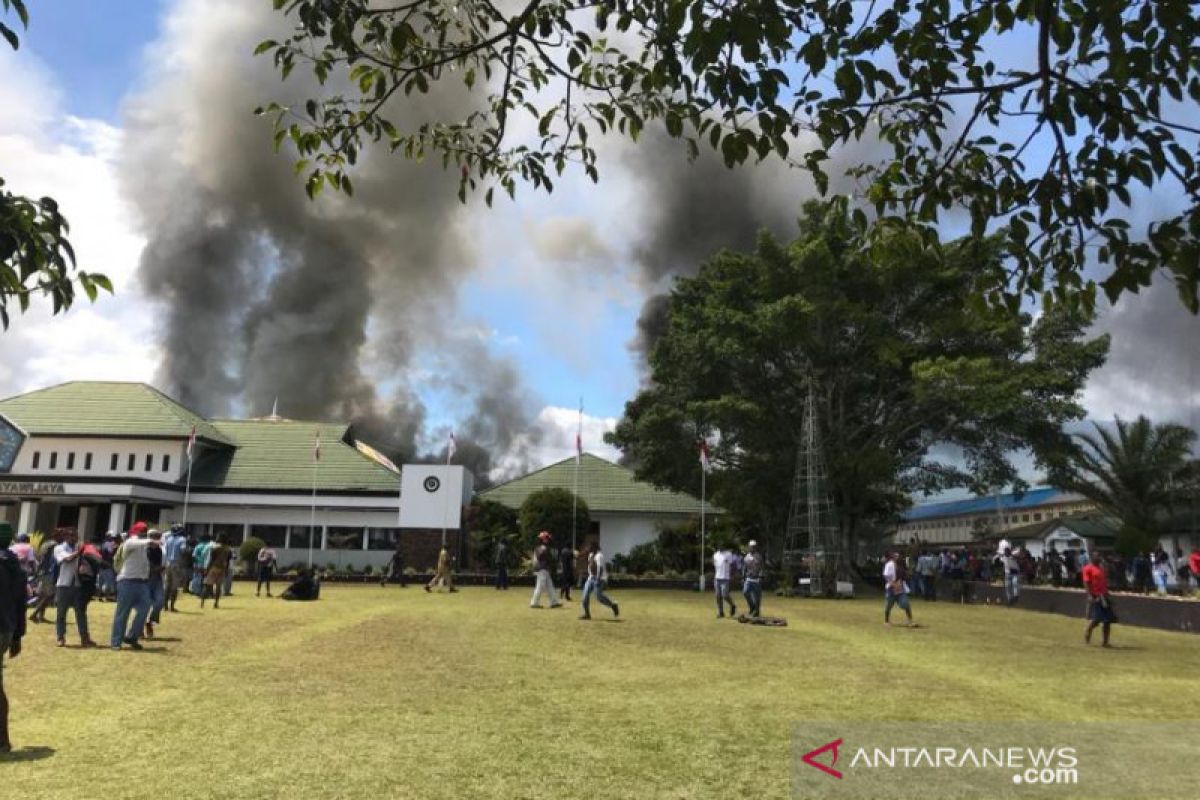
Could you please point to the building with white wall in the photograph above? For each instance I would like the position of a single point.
(99, 455)
(625, 512)
(967, 521)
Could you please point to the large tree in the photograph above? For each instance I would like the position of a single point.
(1037, 114)
(1137, 471)
(917, 387)
(36, 257)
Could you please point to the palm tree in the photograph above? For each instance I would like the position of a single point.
(1133, 473)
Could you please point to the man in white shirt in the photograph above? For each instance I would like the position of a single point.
(597, 567)
(1012, 576)
(67, 591)
(895, 585)
(722, 569)
(133, 589)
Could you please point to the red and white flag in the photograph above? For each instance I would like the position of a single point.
(317, 447)
(451, 448)
(191, 445)
(705, 464)
(579, 435)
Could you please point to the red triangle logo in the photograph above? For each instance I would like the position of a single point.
(810, 758)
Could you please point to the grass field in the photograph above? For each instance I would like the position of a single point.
(374, 693)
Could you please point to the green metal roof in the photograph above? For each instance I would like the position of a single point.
(277, 454)
(603, 485)
(106, 408)
(1089, 525)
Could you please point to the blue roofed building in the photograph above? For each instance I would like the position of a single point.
(966, 521)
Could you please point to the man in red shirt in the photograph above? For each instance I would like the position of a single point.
(1100, 610)
(1194, 564)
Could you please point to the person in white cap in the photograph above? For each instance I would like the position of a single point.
(542, 583)
(752, 575)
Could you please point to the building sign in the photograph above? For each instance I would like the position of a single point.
(10, 487)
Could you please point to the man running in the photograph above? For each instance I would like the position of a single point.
(1099, 609)
(541, 565)
(597, 568)
(895, 588)
(722, 567)
(753, 569)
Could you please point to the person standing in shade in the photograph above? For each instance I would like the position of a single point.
(753, 570)
(68, 593)
(541, 565)
(133, 589)
(265, 561)
(12, 621)
(501, 564)
(722, 569)
(895, 582)
(157, 582)
(597, 567)
(566, 572)
(220, 557)
(1100, 608)
(395, 569)
(174, 549)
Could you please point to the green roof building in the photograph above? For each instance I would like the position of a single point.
(97, 455)
(625, 512)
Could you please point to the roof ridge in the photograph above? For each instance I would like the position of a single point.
(540, 470)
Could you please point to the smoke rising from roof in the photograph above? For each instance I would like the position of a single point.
(268, 295)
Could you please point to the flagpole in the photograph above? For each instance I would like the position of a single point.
(187, 495)
(451, 447)
(312, 518)
(703, 474)
(575, 489)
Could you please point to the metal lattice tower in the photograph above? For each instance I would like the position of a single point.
(814, 543)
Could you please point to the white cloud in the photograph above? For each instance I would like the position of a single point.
(46, 152)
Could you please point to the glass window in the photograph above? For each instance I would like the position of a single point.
(1024, 518)
(70, 461)
(1037, 517)
(195, 530)
(149, 462)
(87, 461)
(113, 464)
(166, 462)
(341, 538)
(382, 538)
(298, 536)
(233, 532)
(132, 463)
(37, 459)
(54, 461)
(273, 535)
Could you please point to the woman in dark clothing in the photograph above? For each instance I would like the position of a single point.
(303, 588)
(566, 571)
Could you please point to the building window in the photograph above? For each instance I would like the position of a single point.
(132, 463)
(1037, 517)
(37, 459)
(343, 538)
(166, 462)
(382, 538)
(272, 535)
(87, 461)
(70, 461)
(299, 536)
(232, 533)
(1024, 518)
(54, 461)
(113, 463)
(149, 462)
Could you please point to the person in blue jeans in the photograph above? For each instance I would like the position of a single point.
(1012, 576)
(597, 569)
(133, 589)
(753, 567)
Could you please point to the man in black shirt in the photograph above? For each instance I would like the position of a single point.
(395, 569)
(12, 620)
(566, 571)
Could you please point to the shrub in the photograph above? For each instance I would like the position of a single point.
(248, 552)
(550, 510)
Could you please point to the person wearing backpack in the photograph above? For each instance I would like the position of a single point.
(68, 594)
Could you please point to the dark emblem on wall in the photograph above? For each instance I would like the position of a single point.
(432, 484)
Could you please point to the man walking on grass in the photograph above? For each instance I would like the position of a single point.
(1100, 608)
(174, 544)
(133, 589)
(220, 558)
(12, 620)
(444, 575)
(597, 568)
(753, 570)
(394, 571)
(895, 584)
(541, 565)
(722, 567)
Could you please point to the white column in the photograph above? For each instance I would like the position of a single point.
(245, 532)
(324, 537)
(27, 520)
(87, 521)
(116, 517)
